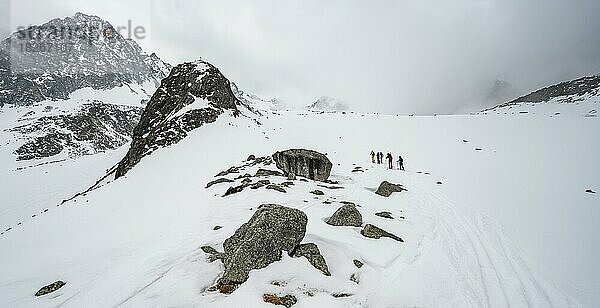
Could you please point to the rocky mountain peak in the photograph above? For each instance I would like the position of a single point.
(326, 103)
(195, 93)
(52, 60)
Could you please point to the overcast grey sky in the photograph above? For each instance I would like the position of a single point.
(388, 56)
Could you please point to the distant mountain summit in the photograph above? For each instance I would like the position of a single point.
(564, 92)
(326, 103)
(52, 60)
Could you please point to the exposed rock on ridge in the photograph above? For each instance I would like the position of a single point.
(195, 93)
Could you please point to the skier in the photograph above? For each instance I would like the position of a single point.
(390, 160)
(373, 156)
(400, 163)
(380, 159)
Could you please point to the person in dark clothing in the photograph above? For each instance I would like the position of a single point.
(390, 160)
(373, 156)
(378, 158)
(400, 163)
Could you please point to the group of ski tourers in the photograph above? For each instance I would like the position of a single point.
(378, 158)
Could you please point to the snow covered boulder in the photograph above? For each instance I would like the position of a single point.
(347, 215)
(260, 242)
(306, 163)
(386, 189)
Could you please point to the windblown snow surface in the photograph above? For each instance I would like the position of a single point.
(510, 226)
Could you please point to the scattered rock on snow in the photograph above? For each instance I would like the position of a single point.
(260, 242)
(287, 301)
(251, 157)
(291, 176)
(385, 214)
(266, 172)
(346, 215)
(287, 184)
(317, 192)
(50, 288)
(247, 175)
(589, 191)
(228, 171)
(234, 190)
(275, 187)
(306, 163)
(386, 189)
(217, 227)
(311, 252)
(357, 263)
(372, 231)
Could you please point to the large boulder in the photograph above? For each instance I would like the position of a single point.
(346, 215)
(386, 189)
(306, 163)
(260, 242)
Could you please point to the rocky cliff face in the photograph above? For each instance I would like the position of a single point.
(50, 61)
(194, 94)
(95, 127)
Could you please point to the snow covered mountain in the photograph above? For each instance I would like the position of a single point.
(326, 103)
(581, 94)
(225, 199)
(66, 103)
(51, 61)
(253, 101)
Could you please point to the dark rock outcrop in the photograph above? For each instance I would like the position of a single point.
(372, 231)
(311, 252)
(357, 263)
(306, 163)
(95, 127)
(275, 187)
(195, 93)
(218, 181)
(385, 214)
(386, 189)
(317, 192)
(50, 288)
(234, 190)
(267, 172)
(346, 215)
(260, 241)
(287, 300)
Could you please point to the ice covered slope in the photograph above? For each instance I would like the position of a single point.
(135, 242)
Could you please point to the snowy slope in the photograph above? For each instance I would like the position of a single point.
(32, 185)
(135, 242)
